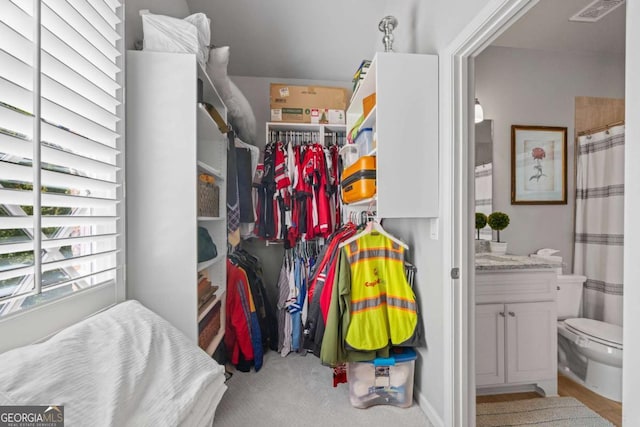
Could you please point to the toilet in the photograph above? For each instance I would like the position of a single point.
(589, 351)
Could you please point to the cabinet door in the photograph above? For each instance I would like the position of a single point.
(489, 344)
(531, 341)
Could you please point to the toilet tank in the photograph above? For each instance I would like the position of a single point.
(569, 295)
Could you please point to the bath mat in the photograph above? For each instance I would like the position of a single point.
(548, 412)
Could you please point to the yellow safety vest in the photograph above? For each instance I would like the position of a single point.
(383, 305)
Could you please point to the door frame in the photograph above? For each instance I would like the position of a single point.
(457, 130)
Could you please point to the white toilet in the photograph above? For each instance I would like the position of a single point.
(589, 351)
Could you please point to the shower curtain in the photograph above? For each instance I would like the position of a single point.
(599, 234)
(484, 194)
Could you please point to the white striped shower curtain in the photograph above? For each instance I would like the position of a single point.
(484, 194)
(599, 236)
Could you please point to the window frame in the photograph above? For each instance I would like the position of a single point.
(33, 324)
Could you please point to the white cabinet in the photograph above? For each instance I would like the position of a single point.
(170, 140)
(516, 335)
(405, 120)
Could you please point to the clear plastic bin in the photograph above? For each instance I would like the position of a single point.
(364, 141)
(383, 381)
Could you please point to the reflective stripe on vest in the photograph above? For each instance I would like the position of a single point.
(383, 306)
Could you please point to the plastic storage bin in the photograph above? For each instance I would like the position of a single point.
(364, 141)
(383, 381)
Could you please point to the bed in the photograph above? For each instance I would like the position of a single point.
(125, 366)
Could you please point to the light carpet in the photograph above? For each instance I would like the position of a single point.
(298, 390)
(550, 411)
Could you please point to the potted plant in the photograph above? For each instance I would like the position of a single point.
(481, 222)
(498, 221)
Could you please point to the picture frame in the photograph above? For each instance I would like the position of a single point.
(538, 165)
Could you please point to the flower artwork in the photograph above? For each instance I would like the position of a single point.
(538, 154)
(538, 165)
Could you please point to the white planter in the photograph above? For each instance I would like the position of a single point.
(498, 247)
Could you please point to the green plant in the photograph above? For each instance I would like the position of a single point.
(498, 221)
(481, 222)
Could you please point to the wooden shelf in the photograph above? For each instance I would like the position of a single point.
(209, 305)
(207, 264)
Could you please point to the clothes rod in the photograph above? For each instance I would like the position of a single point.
(600, 129)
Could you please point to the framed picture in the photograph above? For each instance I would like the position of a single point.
(538, 165)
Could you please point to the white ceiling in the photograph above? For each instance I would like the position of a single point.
(321, 40)
(547, 27)
(326, 40)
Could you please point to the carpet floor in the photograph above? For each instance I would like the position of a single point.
(548, 412)
(298, 390)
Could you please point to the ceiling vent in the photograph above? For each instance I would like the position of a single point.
(596, 10)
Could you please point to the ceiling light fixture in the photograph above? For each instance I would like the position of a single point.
(479, 112)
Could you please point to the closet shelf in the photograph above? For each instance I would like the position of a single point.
(370, 120)
(207, 307)
(211, 218)
(206, 125)
(364, 203)
(210, 169)
(207, 264)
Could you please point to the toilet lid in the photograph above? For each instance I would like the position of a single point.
(597, 329)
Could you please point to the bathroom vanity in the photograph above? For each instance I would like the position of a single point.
(516, 333)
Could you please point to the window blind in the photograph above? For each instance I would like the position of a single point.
(60, 184)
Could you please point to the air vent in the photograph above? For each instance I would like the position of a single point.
(596, 10)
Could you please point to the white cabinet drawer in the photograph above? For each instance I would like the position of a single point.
(515, 286)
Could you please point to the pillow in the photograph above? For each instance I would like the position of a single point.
(239, 112)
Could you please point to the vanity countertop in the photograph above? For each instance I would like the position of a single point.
(489, 262)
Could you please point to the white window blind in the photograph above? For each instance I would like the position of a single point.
(60, 149)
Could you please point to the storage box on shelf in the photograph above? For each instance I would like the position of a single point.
(172, 141)
(307, 104)
(405, 119)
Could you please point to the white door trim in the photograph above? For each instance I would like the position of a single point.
(456, 130)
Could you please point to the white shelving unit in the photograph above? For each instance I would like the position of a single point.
(405, 119)
(170, 140)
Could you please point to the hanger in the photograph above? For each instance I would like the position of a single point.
(371, 227)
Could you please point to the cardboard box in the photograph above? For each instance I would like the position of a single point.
(308, 104)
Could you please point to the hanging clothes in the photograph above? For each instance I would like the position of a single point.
(293, 297)
(233, 206)
(298, 193)
(321, 282)
(372, 306)
(242, 331)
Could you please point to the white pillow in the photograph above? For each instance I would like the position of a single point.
(239, 112)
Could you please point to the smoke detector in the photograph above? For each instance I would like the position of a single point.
(596, 10)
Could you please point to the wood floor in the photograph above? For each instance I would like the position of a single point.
(606, 408)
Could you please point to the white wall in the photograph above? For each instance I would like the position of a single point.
(631, 381)
(133, 22)
(532, 87)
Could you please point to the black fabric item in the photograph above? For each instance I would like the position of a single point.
(233, 207)
(266, 190)
(206, 248)
(243, 162)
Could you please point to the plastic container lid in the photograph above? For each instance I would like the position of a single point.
(361, 131)
(597, 329)
(396, 355)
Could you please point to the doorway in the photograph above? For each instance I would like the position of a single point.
(464, 93)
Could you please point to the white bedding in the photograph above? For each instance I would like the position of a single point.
(125, 366)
